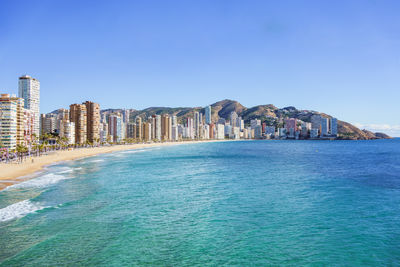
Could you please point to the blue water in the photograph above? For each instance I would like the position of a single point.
(229, 203)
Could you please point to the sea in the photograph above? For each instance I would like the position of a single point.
(238, 203)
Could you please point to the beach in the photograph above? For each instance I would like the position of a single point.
(18, 172)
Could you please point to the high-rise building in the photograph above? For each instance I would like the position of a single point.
(68, 131)
(29, 90)
(324, 126)
(8, 121)
(93, 121)
(212, 131)
(78, 115)
(254, 123)
(165, 127)
(115, 127)
(189, 128)
(196, 118)
(29, 122)
(131, 130)
(316, 122)
(139, 128)
(126, 114)
(48, 123)
(158, 128)
(147, 131)
(234, 117)
(291, 123)
(333, 127)
(220, 131)
(208, 114)
(258, 132)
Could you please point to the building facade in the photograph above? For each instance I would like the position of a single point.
(29, 90)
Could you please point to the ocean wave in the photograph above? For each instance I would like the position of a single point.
(18, 210)
(96, 160)
(134, 151)
(66, 170)
(43, 181)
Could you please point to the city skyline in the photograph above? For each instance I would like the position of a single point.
(199, 53)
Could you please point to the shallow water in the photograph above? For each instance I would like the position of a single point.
(229, 203)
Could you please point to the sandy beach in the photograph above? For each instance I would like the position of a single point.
(14, 173)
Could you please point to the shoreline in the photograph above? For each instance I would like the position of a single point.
(14, 173)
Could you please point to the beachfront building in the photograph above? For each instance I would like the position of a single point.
(165, 127)
(93, 121)
(333, 127)
(48, 123)
(28, 125)
(254, 123)
(233, 118)
(208, 114)
(258, 132)
(324, 127)
(158, 128)
(139, 129)
(78, 115)
(147, 131)
(67, 130)
(115, 127)
(220, 131)
(8, 121)
(29, 90)
(131, 130)
(196, 121)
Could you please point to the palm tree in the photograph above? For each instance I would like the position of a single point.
(20, 150)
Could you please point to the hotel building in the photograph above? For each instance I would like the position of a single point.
(93, 121)
(78, 115)
(29, 90)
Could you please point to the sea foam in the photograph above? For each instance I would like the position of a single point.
(18, 210)
(42, 181)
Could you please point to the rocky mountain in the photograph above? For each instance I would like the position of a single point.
(266, 113)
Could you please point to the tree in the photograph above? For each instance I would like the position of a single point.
(21, 149)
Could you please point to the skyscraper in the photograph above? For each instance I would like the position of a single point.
(208, 114)
(93, 121)
(333, 127)
(78, 115)
(324, 126)
(147, 131)
(165, 124)
(8, 121)
(158, 128)
(234, 117)
(29, 90)
(139, 128)
(115, 127)
(196, 119)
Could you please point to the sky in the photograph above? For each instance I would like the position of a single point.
(339, 57)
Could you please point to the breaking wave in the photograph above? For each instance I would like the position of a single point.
(18, 210)
(43, 181)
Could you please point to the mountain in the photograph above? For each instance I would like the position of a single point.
(268, 113)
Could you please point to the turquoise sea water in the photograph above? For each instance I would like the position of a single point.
(242, 203)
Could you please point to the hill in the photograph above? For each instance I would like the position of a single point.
(268, 113)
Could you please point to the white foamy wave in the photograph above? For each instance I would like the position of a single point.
(66, 171)
(42, 181)
(18, 210)
(97, 160)
(135, 151)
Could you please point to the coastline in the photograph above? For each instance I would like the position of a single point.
(18, 172)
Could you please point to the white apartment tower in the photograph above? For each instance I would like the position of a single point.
(29, 90)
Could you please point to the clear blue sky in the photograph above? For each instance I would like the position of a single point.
(338, 57)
